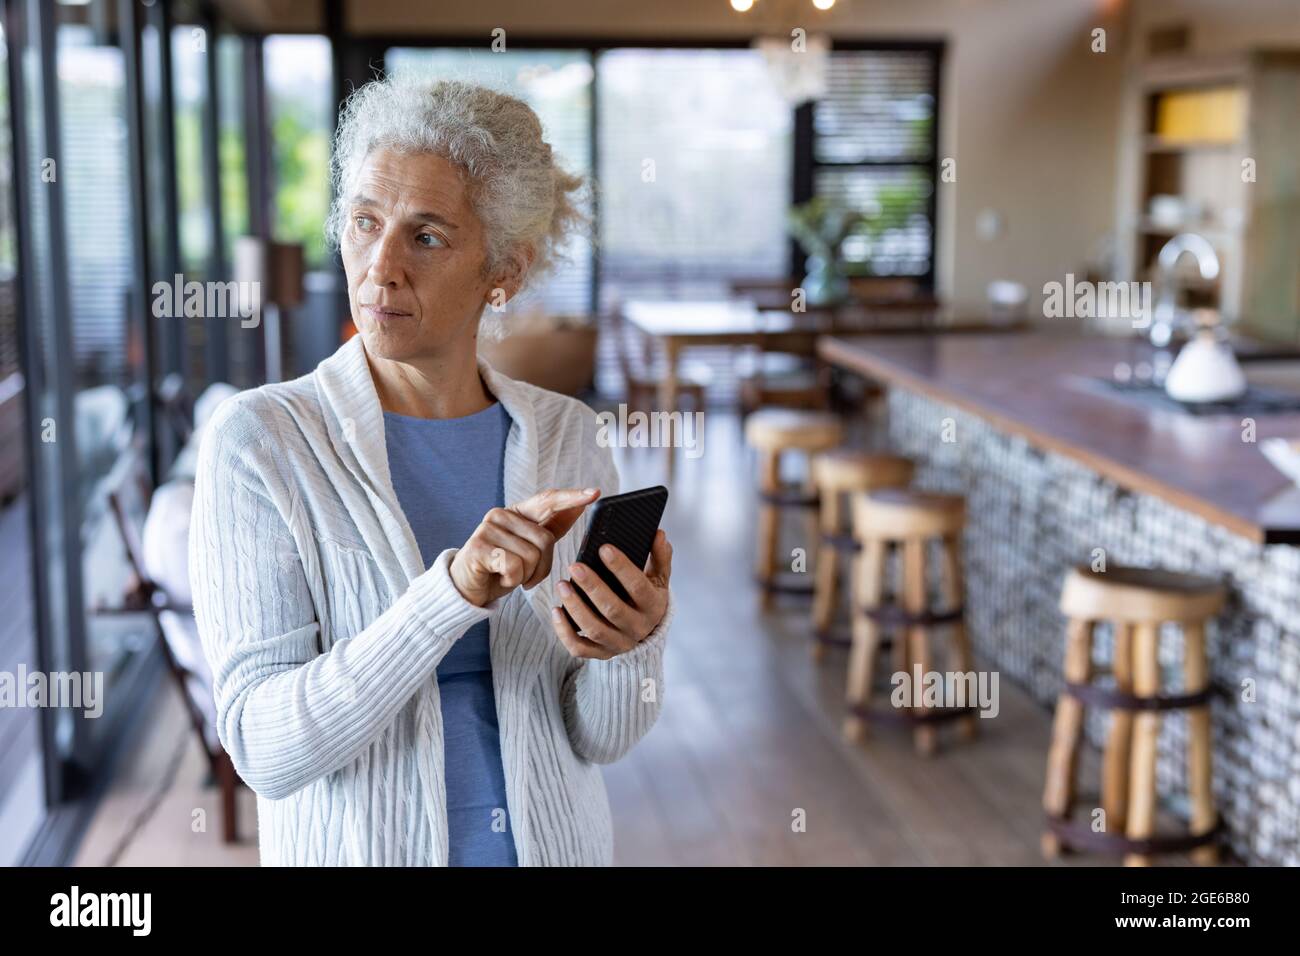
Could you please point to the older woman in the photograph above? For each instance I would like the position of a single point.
(379, 549)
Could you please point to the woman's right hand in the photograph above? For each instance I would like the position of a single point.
(513, 546)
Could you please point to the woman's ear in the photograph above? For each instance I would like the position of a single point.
(508, 281)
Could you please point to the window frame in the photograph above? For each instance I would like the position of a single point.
(807, 166)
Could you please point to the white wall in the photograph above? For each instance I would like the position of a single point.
(1226, 26)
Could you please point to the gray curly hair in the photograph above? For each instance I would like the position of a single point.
(525, 199)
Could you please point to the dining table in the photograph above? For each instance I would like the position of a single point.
(679, 325)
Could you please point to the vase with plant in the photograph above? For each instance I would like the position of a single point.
(820, 226)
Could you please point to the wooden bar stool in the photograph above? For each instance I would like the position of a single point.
(774, 432)
(910, 520)
(1136, 601)
(836, 474)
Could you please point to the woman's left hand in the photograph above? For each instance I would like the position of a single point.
(619, 626)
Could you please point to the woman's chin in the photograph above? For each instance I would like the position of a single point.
(385, 345)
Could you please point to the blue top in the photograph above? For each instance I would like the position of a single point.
(448, 473)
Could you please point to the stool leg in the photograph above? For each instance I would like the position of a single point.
(768, 481)
(1146, 733)
(826, 582)
(868, 570)
(954, 595)
(893, 592)
(811, 516)
(1067, 731)
(1119, 737)
(1196, 677)
(229, 782)
(918, 639)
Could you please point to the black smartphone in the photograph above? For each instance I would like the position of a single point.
(628, 522)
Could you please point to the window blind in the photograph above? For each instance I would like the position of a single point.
(873, 151)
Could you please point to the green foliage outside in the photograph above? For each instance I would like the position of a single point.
(234, 187)
(301, 157)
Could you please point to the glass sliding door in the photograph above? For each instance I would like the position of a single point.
(22, 790)
(107, 328)
(49, 376)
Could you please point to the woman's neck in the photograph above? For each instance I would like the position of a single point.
(430, 388)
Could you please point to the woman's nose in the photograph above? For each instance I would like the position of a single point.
(386, 267)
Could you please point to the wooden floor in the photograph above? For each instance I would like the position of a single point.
(748, 743)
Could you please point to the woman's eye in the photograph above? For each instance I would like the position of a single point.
(364, 223)
(429, 240)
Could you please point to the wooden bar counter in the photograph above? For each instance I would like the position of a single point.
(1043, 388)
(1060, 468)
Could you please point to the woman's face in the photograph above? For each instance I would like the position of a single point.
(414, 252)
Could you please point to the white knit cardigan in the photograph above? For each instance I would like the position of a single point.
(323, 629)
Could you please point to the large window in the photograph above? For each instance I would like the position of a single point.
(94, 175)
(189, 49)
(873, 150)
(695, 172)
(299, 93)
(204, 338)
(244, 345)
(231, 142)
(696, 152)
(699, 159)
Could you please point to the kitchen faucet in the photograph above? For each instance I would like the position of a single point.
(1164, 319)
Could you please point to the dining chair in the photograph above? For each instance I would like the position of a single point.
(636, 363)
(157, 555)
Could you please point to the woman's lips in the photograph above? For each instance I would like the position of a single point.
(385, 312)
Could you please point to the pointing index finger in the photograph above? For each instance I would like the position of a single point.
(545, 505)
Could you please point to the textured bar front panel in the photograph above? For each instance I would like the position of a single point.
(1032, 514)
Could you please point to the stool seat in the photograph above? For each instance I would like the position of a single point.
(1133, 595)
(903, 513)
(781, 429)
(848, 469)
